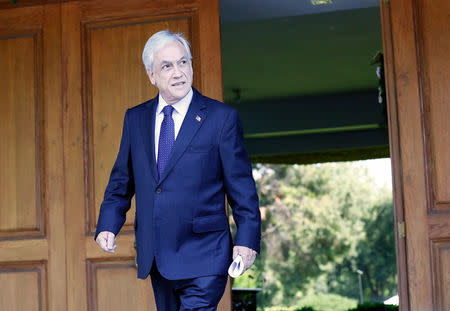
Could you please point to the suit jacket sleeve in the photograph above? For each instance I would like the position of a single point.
(239, 183)
(120, 189)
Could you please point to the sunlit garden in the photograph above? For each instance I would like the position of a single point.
(328, 240)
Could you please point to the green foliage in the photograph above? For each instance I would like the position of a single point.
(320, 223)
(250, 279)
(375, 256)
(284, 309)
(375, 307)
(376, 253)
(327, 302)
(313, 219)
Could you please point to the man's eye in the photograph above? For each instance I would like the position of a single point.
(164, 67)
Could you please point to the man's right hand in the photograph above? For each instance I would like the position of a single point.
(107, 241)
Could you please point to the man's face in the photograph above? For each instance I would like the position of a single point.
(172, 72)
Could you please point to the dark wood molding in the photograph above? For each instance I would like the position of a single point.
(41, 201)
(396, 153)
(441, 207)
(439, 225)
(425, 111)
(9, 4)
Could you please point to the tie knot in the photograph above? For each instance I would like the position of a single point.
(168, 110)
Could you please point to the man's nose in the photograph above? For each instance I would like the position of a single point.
(177, 72)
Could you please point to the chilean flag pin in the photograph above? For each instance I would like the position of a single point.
(198, 118)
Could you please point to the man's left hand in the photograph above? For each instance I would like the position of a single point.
(248, 255)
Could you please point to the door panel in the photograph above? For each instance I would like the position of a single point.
(20, 281)
(113, 62)
(21, 159)
(32, 246)
(434, 64)
(118, 277)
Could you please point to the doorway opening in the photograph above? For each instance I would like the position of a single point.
(327, 237)
(307, 79)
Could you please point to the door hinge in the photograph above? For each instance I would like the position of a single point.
(401, 229)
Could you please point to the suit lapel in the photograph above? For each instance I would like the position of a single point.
(148, 133)
(194, 118)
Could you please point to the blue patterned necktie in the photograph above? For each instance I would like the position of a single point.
(166, 138)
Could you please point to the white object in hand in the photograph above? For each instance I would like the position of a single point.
(237, 267)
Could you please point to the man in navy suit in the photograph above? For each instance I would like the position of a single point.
(180, 153)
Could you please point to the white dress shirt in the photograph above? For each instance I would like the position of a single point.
(179, 112)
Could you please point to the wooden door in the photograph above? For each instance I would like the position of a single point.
(32, 232)
(68, 72)
(417, 47)
(103, 76)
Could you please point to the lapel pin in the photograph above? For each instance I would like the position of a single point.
(198, 118)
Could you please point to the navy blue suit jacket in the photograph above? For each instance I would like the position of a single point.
(180, 217)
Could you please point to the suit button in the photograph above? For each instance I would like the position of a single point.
(158, 190)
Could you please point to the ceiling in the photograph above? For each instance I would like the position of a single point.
(278, 49)
(299, 72)
(243, 11)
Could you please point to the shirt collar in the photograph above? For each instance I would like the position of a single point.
(180, 106)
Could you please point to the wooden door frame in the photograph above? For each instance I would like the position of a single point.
(395, 153)
(407, 30)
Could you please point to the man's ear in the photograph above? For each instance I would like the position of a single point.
(151, 76)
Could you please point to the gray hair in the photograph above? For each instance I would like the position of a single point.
(157, 41)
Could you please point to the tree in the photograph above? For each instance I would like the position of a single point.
(376, 253)
(316, 220)
(375, 256)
